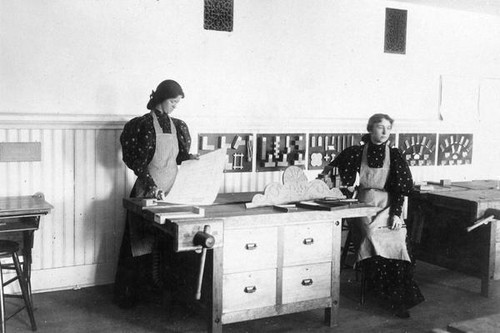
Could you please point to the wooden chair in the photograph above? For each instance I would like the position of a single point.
(9, 249)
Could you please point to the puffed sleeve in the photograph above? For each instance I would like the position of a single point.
(184, 139)
(348, 163)
(400, 182)
(138, 145)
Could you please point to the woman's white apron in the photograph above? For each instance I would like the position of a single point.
(163, 169)
(378, 239)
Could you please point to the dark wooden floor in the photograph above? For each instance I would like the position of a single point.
(451, 297)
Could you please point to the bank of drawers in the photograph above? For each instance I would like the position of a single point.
(252, 260)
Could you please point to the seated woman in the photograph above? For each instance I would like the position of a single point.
(384, 180)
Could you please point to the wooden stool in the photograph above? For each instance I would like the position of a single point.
(9, 249)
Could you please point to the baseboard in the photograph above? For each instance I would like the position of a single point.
(73, 277)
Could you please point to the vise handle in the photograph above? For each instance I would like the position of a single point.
(206, 241)
(491, 215)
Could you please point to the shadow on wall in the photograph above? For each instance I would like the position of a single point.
(111, 188)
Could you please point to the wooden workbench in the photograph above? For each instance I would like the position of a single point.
(438, 220)
(264, 262)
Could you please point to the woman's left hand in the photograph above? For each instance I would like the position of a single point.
(194, 156)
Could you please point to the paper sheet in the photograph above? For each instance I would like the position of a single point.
(198, 181)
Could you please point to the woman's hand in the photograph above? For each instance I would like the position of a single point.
(156, 194)
(194, 156)
(396, 222)
(326, 176)
(160, 195)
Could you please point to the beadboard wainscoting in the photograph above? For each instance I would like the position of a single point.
(82, 176)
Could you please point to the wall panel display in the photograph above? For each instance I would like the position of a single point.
(419, 149)
(324, 147)
(278, 151)
(238, 149)
(455, 149)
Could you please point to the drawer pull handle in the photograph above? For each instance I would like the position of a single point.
(250, 289)
(3, 224)
(308, 241)
(307, 282)
(251, 246)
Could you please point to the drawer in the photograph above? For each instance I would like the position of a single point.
(302, 283)
(250, 249)
(308, 243)
(19, 223)
(249, 290)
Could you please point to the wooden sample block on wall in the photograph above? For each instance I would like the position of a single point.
(278, 151)
(419, 149)
(455, 149)
(324, 147)
(239, 149)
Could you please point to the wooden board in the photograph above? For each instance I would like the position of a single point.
(29, 205)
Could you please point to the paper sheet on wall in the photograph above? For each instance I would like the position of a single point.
(198, 181)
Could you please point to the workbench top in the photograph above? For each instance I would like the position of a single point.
(24, 205)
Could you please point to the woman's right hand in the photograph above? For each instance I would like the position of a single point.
(326, 176)
(155, 194)
(160, 195)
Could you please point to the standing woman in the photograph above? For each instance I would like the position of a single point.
(384, 180)
(152, 145)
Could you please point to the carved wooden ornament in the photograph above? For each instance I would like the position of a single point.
(295, 188)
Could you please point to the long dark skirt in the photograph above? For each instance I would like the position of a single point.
(137, 276)
(393, 279)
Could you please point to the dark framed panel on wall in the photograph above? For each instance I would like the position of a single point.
(238, 146)
(419, 149)
(324, 147)
(218, 15)
(455, 149)
(278, 151)
(395, 30)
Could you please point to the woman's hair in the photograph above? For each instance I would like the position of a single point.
(165, 90)
(377, 118)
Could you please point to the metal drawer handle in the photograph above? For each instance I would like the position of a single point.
(3, 224)
(251, 246)
(250, 289)
(307, 282)
(308, 241)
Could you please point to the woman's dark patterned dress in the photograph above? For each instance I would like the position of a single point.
(391, 278)
(138, 141)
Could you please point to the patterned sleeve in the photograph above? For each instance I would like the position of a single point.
(184, 139)
(348, 163)
(138, 145)
(401, 182)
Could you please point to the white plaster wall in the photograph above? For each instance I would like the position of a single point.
(288, 62)
(73, 70)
